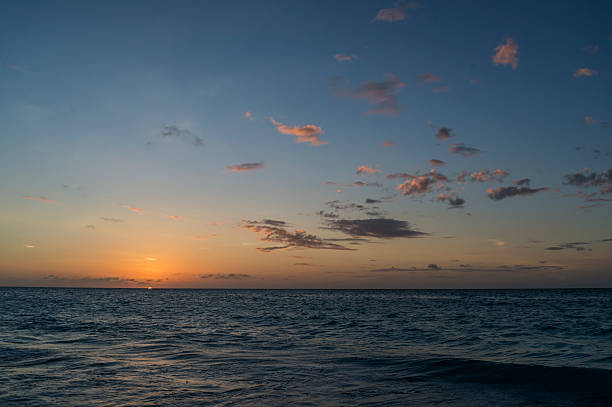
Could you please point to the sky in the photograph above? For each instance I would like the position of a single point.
(292, 144)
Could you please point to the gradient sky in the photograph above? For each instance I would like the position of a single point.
(289, 144)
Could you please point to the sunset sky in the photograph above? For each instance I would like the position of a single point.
(356, 144)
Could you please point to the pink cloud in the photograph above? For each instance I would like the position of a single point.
(506, 54)
(585, 72)
(421, 184)
(344, 57)
(427, 78)
(249, 116)
(591, 49)
(394, 14)
(38, 198)
(305, 134)
(133, 209)
(436, 163)
(364, 169)
(589, 120)
(389, 144)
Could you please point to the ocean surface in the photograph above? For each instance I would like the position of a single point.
(136, 347)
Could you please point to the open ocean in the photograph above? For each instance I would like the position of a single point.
(134, 347)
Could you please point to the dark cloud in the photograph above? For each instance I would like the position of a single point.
(585, 178)
(328, 214)
(383, 228)
(221, 276)
(381, 95)
(466, 268)
(578, 246)
(507, 192)
(523, 181)
(436, 163)
(274, 231)
(97, 280)
(177, 132)
(372, 201)
(463, 150)
(453, 201)
(433, 266)
(444, 133)
(245, 167)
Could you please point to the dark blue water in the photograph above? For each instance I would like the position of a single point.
(99, 347)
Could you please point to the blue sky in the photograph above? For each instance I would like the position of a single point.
(87, 89)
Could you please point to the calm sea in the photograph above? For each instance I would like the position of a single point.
(133, 347)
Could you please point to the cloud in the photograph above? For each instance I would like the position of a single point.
(364, 169)
(305, 134)
(454, 202)
(372, 201)
(585, 178)
(244, 167)
(176, 132)
(463, 150)
(221, 276)
(421, 184)
(150, 258)
(344, 57)
(248, 116)
(381, 95)
(578, 246)
(98, 280)
(382, 228)
(486, 175)
(29, 246)
(436, 163)
(591, 49)
(467, 268)
(427, 78)
(133, 209)
(38, 198)
(585, 72)
(442, 89)
(522, 181)
(444, 133)
(389, 144)
(92, 227)
(274, 231)
(395, 14)
(506, 54)
(507, 192)
(111, 219)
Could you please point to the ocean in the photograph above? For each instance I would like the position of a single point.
(137, 347)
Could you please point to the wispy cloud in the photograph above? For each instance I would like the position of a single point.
(395, 14)
(427, 78)
(381, 95)
(585, 72)
(389, 144)
(174, 131)
(133, 209)
(38, 198)
(248, 116)
(117, 220)
(463, 150)
(222, 276)
(344, 57)
(508, 192)
(591, 49)
(244, 167)
(465, 268)
(383, 228)
(305, 134)
(436, 163)
(506, 54)
(275, 231)
(578, 246)
(364, 169)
